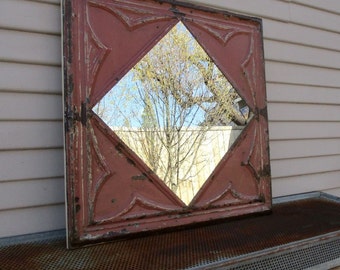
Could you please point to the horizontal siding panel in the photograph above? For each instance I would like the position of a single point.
(301, 166)
(23, 194)
(305, 183)
(260, 8)
(27, 16)
(285, 52)
(31, 164)
(32, 220)
(307, 130)
(307, 16)
(279, 10)
(16, 46)
(49, 1)
(304, 148)
(330, 5)
(276, 15)
(293, 33)
(30, 78)
(333, 191)
(300, 93)
(303, 112)
(299, 74)
(26, 134)
(20, 106)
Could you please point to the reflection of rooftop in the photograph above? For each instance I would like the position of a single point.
(197, 159)
(297, 235)
(183, 129)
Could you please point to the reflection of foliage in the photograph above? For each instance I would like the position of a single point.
(170, 99)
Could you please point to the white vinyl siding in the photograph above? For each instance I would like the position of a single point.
(302, 62)
(31, 128)
(31, 16)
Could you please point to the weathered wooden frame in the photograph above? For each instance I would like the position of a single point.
(99, 166)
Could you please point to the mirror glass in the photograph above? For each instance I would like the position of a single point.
(177, 111)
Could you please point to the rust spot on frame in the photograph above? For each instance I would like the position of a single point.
(119, 147)
(83, 114)
(130, 161)
(139, 177)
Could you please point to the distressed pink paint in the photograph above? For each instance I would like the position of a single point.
(111, 193)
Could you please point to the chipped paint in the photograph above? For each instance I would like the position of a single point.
(107, 191)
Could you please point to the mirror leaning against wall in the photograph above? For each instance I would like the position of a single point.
(176, 111)
(165, 117)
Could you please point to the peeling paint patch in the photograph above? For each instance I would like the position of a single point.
(139, 177)
(130, 161)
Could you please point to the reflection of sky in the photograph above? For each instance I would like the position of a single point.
(124, 103)
(125, 106)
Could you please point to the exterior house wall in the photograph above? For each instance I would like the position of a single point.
(302, 59)
(31, 128)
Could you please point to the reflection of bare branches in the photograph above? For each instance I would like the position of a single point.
(166, 107)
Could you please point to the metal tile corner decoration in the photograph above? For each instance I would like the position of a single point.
(165, 117)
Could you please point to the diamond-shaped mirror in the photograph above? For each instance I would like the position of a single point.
(177, 111)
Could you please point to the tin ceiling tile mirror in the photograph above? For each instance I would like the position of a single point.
(165, 117)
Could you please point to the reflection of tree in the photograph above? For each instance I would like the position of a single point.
(176, 94)
(180, 70)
